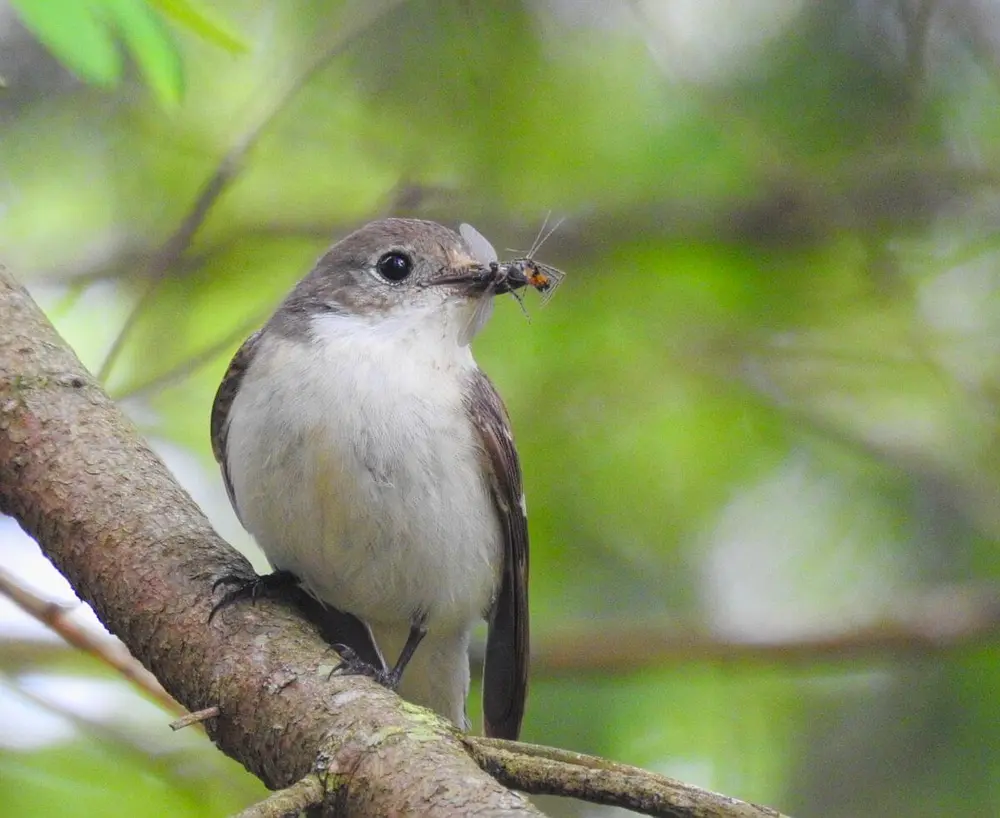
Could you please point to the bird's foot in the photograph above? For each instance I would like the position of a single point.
(351, 664)
(269, 586)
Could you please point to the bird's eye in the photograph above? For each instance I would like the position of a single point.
(394, 266)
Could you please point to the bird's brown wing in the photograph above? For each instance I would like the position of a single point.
(505, 674)
(224, 398)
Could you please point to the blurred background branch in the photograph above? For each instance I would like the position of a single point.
(945, 620)
(110, 651)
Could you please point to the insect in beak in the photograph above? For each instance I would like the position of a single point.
(512, 275)
(492, 278)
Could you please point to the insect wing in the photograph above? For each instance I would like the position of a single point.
(484, 308)
(480, 246)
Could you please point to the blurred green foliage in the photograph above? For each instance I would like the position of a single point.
(763, 406)
(82, 35)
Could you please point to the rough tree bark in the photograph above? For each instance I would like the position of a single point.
(105, 510)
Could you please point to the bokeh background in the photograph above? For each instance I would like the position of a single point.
(760, 421)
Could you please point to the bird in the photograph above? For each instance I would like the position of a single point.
(373, 462)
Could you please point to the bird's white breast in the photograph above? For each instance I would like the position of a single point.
(355, 465)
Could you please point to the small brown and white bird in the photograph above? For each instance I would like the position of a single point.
(373, 461)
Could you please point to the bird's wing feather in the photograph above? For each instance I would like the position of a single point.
(505, 675)
(224, 398)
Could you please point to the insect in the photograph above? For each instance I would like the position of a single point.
(542, 277)
(525, 270)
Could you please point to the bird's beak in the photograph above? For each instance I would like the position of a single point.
(483, 279)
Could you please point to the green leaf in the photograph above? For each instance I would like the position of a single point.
(75, 36)
(80, 35)
(203, 22)
(152, 45)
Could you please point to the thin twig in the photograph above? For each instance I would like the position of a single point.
(289, 802)
(226, 172)
(194, 718)
(541, 770)
(109, 651)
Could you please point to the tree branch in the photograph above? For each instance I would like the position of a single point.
(291, 801)
(550, 771)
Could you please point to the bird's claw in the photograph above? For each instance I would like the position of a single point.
(351, 664)
(269, 585)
